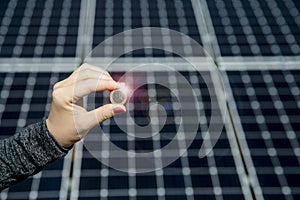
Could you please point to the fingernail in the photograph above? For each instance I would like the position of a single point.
(118, 110)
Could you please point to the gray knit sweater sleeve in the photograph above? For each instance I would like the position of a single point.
(26, 153)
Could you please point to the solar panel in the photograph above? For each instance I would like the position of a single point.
(258, 153)
(113, 17)
(256, 28)
(268, 106)
(25, 99)
(189, 177)
(39, 28)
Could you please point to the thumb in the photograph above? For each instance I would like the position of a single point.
(107, 111)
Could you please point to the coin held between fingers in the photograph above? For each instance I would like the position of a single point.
(118, 96)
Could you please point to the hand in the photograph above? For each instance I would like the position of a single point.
(69, 122)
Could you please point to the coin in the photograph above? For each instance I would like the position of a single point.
(118, 96)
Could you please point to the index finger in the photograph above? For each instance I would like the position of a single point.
(87, 66)
(85, 87)
(86, 71)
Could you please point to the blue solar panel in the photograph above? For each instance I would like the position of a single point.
(39, 28)
(263, 165)
(177, 15)
(268, 107)
(189, 177)
(25, 99)
(256, 28)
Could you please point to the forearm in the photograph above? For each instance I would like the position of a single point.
(26, 153)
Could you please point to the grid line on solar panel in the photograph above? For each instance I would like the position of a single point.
(270, 98)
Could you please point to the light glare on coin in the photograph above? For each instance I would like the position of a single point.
(119, 96)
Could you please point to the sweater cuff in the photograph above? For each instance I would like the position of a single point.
(45, 148)
(56, 144)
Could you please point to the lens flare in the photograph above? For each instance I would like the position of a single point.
(162, 104)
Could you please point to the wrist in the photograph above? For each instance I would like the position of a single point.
(60, 139)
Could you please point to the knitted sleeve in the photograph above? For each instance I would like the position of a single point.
(26, 153)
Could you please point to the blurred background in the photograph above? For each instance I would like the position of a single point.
(255, 44)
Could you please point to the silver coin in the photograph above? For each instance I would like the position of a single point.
(118, 96)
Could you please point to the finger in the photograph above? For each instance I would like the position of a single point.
(85, 87)
(84, 74)
(105, 112)
(95, 68)
(91, 69)
(87, 74)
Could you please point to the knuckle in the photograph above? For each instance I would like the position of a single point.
(87, 67)
(84, 65)
(56, 85)
(58, 95)
(106, 73)
(55, 94)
